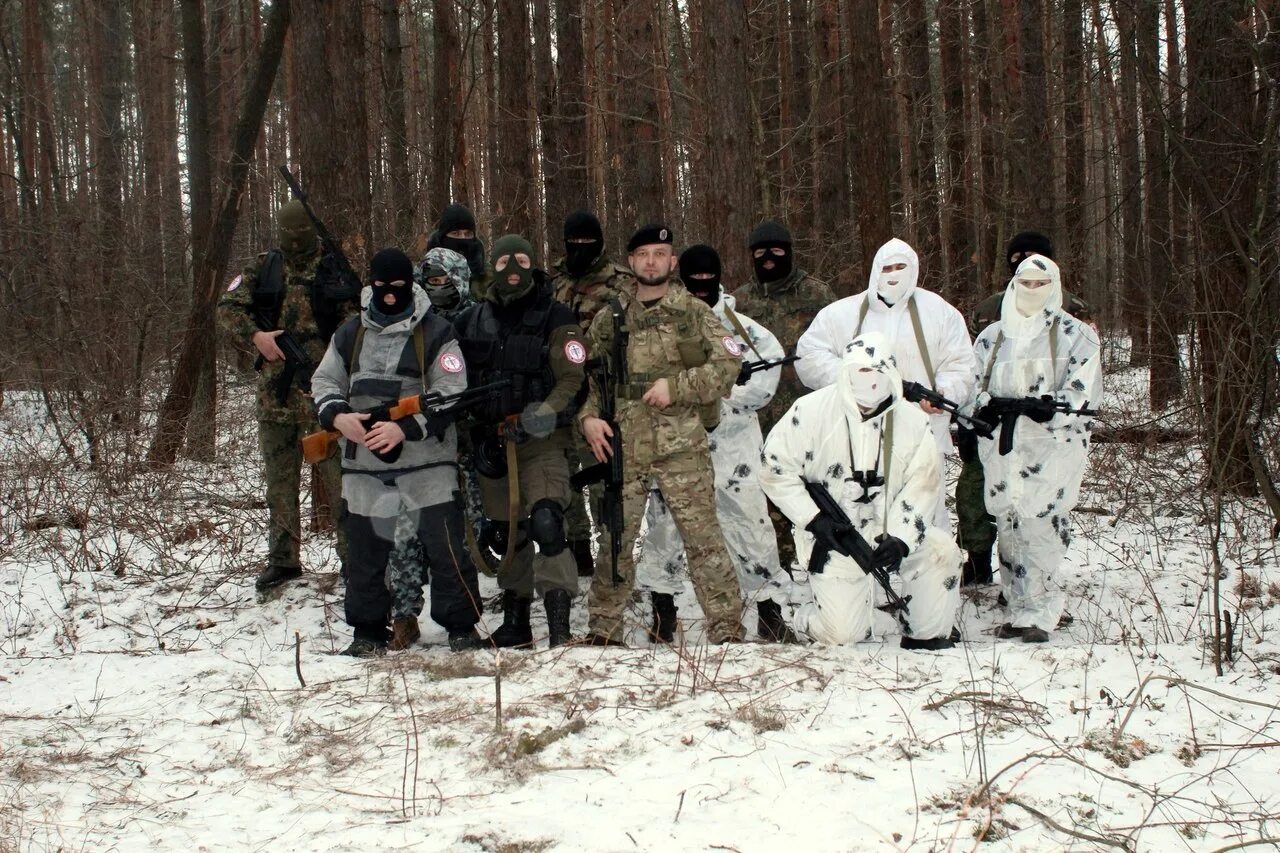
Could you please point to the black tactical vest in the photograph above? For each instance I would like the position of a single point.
(514, 348)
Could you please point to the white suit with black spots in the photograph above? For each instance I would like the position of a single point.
(1032, 490)
(740, 504)
(824, 438)
(821, 348)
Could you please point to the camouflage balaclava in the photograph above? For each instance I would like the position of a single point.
(295, 232)
(512, 281)
(457, 274)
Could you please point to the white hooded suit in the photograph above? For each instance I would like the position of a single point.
(824, 438)
(1032, 490)
(740, 504)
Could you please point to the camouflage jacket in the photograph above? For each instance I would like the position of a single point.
(785, 308)
(678, 339)
(587, 295)
(234, 315)
(988, 311)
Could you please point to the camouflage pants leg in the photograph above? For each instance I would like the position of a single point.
(976, 530)
(608, 600)
(282, 472)
(405, 570)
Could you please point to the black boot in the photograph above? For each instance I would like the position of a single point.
(664, 617)
(273, 576)
(581, 550)
(514, 630)
(977, 569)
(369, 641)
(557, 602)
(771, 627)
(465, 640)
(934, 644)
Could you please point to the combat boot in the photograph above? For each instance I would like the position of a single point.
(514, 632)
(771, 627)
(935, 644)
(664, 617)
(465, 640)
(557, 603)
(977, 569)
(369, 641)
(273, 576)
(404, 633)
(581, 550)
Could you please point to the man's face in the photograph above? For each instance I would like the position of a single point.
(461, 234)
(891, 268)
(520, 259)
(770, 256)
(1034, 283)
(654, 263)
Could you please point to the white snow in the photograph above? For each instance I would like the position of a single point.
(150, 701)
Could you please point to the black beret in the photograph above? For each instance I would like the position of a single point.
(648, 235)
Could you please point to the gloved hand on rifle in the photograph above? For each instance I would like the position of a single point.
(889, 553)
(828, 532)
(513, 430)
(437, 423)
(744, 375)
(1040, 409)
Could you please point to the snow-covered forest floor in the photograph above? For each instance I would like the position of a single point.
(151, 701)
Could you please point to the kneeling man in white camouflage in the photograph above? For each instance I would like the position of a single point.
(874, 454)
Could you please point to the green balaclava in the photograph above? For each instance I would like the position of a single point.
(502, 289)
(297, 234)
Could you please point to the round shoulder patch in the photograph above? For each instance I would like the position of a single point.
(731, 346)
(575, 351)
(451, 362)
(235, 282)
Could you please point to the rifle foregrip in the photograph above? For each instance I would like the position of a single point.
(317, 446)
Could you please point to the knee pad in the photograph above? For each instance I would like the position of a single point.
(546, 527)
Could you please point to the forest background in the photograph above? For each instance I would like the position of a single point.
(140, 141)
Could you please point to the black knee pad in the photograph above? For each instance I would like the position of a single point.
(546, 527)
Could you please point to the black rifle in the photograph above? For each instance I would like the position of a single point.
(750, 368)
(1007, 410)
(610, 471)
(915, 392)
(854, 546)
(336, 282)
(298, 366)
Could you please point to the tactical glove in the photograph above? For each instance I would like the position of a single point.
(1040, 409)
(744, 375)
(889, 553)
(437, 423)
(828, 531)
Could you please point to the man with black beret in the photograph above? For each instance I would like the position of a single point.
(678, 363)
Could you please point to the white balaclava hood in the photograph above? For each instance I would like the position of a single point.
(894, 287)
(862, 389)
(1023, 308)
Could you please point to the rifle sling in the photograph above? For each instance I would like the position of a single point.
(742, 332)
(915, 327)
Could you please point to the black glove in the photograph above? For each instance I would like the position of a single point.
(828, 531)
(889, 553)
(512, 430)
(437, 423)
(1040, 409)
(744, 375)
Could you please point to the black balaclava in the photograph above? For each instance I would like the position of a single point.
(456, 217)
(579, 258)
(770, 235)
(701, 259)
(1027, 242)
(387, 266)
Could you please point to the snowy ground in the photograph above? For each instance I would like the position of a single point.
(151, 702)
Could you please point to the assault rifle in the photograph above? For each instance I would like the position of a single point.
(611, 470)
(750, 368)
(334, 257)
(317, 446)
(853, 545)
(1007, 409)
(298, 366)
(915, 392)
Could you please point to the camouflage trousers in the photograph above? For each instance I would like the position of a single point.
(688, 489)
(976, 529)
(542, 473)
(281, 447)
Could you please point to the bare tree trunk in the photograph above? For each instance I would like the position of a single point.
(512, 202)
(990, 200)
(549, 201)
(956, 224)
(871, 130)
(636, 148)
(401, 192)
(211, 264)
(447, 129)
(572, 137)
(1070, 244)
(829, 195)
(799, 105)
(920, 108)
(1031, 146)
(1134, 287)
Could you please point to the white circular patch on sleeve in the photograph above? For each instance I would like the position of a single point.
(575, 352)
(235, 282)
(451, 362)
(731, 346)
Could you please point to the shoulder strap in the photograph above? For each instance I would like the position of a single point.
(920, 342)
(995, 348)
(420, 350)
(742, 332)
(862, 314)
(886, 453)
(357, 343)
(991, 361)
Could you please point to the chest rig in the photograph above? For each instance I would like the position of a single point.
(510, 348)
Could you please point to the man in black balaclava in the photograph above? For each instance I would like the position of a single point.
(700, 273)
(585, 280)
(456, 230)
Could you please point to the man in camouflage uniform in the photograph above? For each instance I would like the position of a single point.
(679, 362)
(300, 294)
(517, 333)
(585, 279)
(976, 529)
(784, 299)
